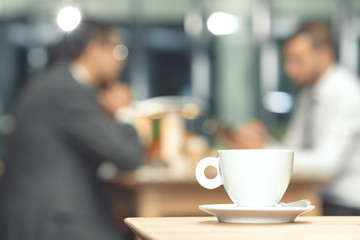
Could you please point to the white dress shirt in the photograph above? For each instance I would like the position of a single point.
(335, 118)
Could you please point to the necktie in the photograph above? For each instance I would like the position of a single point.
(308, 127)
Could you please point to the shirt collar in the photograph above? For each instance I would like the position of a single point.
(317, 89)
(80, 74)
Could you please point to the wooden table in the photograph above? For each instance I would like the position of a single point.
(208, 228)
(170, 196)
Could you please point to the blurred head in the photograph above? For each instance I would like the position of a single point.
(94, 45)
(309, 53)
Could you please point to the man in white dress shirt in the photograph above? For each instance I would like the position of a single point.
(325, 127)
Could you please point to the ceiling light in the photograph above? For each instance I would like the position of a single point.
(68, 18)
(220, 23)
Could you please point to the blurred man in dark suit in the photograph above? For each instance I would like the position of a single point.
(70, 120)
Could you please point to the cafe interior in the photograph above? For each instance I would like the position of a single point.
(195, 67)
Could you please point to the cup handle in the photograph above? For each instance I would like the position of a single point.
(200, 173)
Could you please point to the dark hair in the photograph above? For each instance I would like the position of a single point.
(319, 33)
(74, 43)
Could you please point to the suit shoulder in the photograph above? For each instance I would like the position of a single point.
(54, 88)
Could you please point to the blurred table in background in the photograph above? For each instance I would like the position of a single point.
(160, 193)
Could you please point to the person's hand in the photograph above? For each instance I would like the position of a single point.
(252, 135)
(115, 97)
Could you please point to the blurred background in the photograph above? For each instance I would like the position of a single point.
(215, 61)
(226, 54)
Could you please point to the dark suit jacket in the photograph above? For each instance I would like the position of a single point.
(51, 189)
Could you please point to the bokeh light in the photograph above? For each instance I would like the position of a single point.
(68, 18)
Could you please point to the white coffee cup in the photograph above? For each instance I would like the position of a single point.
(251, 177)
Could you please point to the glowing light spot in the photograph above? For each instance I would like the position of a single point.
(68, 18)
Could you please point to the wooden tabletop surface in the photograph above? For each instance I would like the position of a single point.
(208, 228)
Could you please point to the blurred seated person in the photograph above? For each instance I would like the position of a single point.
(325, 126)
(69, 122)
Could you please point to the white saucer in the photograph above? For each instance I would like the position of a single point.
(229, 213)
